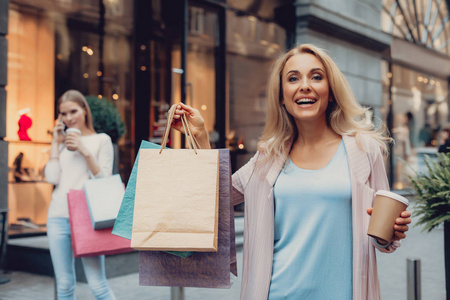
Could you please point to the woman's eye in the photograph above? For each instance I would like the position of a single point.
(292, 79)
(317, 77)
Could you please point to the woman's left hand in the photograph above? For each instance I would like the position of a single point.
(401, 224)
(73, 143)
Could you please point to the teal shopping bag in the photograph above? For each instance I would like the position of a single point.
(124, 221)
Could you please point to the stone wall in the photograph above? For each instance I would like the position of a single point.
(350, 31)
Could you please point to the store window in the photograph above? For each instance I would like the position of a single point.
(200, 71)
(203, 40)
(54, 46)
(419, 112)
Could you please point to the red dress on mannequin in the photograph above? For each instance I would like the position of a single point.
(25, 123)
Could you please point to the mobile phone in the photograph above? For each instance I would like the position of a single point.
(61, 121)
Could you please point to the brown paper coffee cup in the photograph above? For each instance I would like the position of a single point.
(386, 208)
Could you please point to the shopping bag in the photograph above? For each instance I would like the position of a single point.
(124, 221)
(201, 269)
(85, 240)
(176, 200)
(104, 196)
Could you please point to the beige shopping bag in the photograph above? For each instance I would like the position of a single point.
(176, 200)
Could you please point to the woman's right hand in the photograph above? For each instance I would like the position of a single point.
(58, 131)
(195, 122)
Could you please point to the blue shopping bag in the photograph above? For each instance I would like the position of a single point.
(124, 221)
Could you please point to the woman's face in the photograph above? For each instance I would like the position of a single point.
(73, 115)
(306, 91)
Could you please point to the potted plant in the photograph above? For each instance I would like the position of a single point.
(433, 202)
(107, 120)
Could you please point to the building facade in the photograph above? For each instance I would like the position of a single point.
(396, 57)
(143, 56)
(3, 143)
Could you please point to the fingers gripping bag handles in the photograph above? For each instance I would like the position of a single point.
(176, 200)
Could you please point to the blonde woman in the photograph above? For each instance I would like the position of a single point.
(74, 159)
(309, 189)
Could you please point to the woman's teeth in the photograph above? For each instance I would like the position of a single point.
(305, 101)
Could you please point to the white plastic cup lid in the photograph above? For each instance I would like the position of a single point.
(393, 196)
(72, 129)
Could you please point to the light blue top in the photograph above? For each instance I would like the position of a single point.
(312, 256)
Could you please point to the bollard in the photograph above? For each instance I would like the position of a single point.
(177, 293)
(414, 291)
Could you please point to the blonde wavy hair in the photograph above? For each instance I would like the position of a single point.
(78, 98)
(344, 114)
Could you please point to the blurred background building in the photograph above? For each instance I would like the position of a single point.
(144, 55)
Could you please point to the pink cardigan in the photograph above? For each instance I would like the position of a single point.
(367, 175)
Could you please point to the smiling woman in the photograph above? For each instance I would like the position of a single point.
(316, 136)
(305, 88)
(343, 115)
(306, 96)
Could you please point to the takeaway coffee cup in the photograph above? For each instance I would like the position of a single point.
(386, 208)
(73, 131)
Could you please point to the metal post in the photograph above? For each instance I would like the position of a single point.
(414, 290)
(177, 293)
(55, 288)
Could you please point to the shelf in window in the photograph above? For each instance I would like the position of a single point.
(22, 182)
(28, 142)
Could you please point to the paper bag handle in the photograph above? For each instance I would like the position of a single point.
(192, 142)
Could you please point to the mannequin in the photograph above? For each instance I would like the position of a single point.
(25, 123)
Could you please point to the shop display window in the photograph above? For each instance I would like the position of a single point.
(419, 113)
(30, 96)
(55, 45)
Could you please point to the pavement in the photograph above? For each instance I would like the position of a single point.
(426, 247)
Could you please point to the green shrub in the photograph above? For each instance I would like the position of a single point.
(433, 192)
(106, 118)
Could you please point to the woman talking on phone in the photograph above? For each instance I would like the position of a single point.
(309, 189)
(76, 156)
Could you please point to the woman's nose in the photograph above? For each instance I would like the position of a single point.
(304, 86)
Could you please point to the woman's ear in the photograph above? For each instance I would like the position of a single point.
(331, 96)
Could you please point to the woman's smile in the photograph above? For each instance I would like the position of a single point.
(305, 102)
(305, 88)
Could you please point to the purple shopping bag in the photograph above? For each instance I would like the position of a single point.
(201, 269)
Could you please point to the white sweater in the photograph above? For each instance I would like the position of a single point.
(70, 171)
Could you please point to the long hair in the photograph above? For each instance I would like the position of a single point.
(344, 114)
(78, 98)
